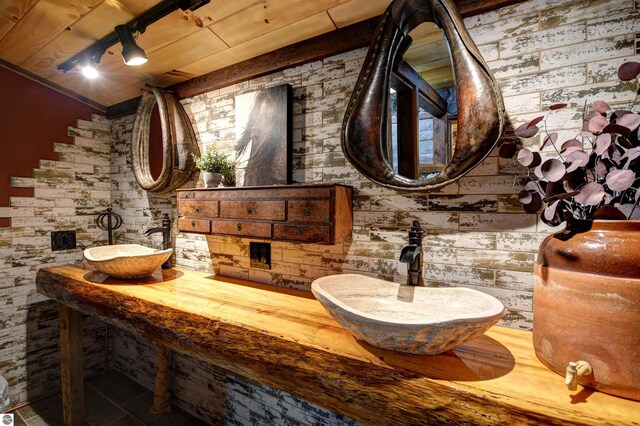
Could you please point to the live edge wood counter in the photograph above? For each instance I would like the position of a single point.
(283, 338)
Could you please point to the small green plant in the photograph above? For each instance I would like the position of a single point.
(214, 162)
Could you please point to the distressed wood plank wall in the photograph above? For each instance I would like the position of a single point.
(68, 193)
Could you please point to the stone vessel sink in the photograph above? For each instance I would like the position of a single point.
(126, 261)
(418, 320)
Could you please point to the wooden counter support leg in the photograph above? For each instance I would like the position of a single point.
(161, 391)
(71, 366)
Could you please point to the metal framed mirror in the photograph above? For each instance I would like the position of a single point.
(368, 119)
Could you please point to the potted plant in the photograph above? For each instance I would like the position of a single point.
(587, 277)
(214, 165)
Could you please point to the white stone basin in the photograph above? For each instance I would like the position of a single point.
(126, 261)
(419, 320)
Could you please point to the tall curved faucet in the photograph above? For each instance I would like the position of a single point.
(166, 236)
(412, 254)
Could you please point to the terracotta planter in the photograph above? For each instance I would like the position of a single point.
(586, 304)
(212, 180)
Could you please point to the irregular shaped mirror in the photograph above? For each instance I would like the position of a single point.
(404, 133)
(178, 143)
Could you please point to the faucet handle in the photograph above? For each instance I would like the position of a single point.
(416, 230)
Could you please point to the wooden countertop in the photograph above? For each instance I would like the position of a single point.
(285, 339)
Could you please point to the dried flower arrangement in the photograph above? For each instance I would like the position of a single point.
(596, 175)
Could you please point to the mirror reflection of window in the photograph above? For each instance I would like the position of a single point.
(453, 132)
(437, 136)
(426, 149)
(393, 114)
(419, 126)
(422, 107)
(434, 143)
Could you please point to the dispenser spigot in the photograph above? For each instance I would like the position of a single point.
(576, 370)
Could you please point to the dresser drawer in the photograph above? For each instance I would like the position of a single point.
(197, 208)
(194, 225)
(259, 210)
(310, 211)
(307, 233)
(244, 229)
(190, 195)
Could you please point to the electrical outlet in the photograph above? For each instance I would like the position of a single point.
(260, 255)
(63, 240)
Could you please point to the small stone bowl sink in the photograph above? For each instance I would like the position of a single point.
(126, 261)
(417, 320)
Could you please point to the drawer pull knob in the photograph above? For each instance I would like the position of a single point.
(307, 211)
(239, 227)
(250, 210)
(197, 209)
(299, 229)
(193, 224)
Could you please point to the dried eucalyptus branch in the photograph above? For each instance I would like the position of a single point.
(580, 184)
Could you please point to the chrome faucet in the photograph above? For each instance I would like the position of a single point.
(166, 236)
(412, 254)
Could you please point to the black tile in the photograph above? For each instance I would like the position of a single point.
(51, 417)
(117, 387)
(111, 399)
(127, 420)
(99, 410)
(40, 406)
(139, 408)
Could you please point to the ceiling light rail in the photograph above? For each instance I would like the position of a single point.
(131, 52)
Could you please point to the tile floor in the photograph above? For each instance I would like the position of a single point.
(111, 399)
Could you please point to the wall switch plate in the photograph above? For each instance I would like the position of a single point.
(260, 255)
(63, 240)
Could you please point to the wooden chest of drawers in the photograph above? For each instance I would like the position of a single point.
(314, 213)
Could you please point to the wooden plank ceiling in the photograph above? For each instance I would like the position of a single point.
(38, 35)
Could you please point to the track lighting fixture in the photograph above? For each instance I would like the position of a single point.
(132, 54)
(90, 71)
(88, 67)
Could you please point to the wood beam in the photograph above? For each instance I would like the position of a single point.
(313, 49)
(475, 7)
(329, 44)
(407, 131)
(123, 108)
(338, 41)
(437, 104)
(52, 85)
(71, 366)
